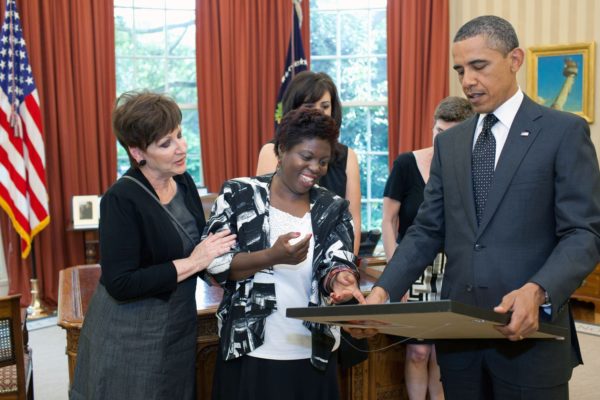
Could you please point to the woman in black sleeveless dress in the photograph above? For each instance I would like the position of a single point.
(316, 89)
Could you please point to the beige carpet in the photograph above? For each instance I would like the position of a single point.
(585, 383)
(51, 375)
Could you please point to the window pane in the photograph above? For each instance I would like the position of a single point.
(354, 79)
(327, 66)
(323, 34)
(363, 160)
(181, 33)
(327, 4)
(123, 31)
(379, 129)
(122, 160)
(361, 78)
(379, 175)
(376, 215)
(150, 74)
(125, 73)
(364, 212)
(189, 126)
(354, 31)
(378, 32)
(149, 3)
(159, 55)
(378, 3)
(356, 4)
(354, 128)
(379, 78)
(182, 4)
(149, 30)
(182, 80)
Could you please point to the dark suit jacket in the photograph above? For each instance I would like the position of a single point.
(541, 224)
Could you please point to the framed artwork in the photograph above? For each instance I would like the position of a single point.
(562, 77)
(444, 319)
(86, 212)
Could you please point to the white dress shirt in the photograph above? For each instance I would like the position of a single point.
(506, 115)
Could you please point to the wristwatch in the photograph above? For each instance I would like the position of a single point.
(546, 299)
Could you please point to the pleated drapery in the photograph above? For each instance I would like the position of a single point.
(241, 48)
(417, 38)
(70, 45)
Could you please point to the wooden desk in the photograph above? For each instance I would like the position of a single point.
(589, 291)
(380, 377)
(91, 244)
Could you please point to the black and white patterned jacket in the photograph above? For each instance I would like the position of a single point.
(243, 207)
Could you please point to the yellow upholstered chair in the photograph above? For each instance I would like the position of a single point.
(16, 368)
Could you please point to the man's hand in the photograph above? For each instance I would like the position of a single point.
(525, 305)
(377, 296)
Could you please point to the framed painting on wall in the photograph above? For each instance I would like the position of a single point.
(562, 77)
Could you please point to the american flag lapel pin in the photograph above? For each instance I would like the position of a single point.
(525, 133)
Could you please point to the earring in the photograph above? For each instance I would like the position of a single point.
(278, 168)
(141, 163)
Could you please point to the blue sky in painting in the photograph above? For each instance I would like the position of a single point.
(551, 80)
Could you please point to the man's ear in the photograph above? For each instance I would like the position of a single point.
(517, 56)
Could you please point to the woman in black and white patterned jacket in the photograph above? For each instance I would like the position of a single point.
(294, 249)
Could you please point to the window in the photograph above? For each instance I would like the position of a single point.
(348, 42)
(155, 49)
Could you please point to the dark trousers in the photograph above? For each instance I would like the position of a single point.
(477, 382)
(250, 378)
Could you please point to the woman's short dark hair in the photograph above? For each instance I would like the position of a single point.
(141, 117)
(309, 87)
(305, 123)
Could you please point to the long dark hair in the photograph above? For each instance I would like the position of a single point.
(308, 87)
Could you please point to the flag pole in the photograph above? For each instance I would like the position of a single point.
(36, 309)
(26, 205)
(292, 39)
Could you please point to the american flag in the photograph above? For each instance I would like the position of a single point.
(295, 62)
(23, 192)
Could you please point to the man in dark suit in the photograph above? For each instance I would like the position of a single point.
(514, 200)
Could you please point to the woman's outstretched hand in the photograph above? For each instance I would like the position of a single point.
(284, 252)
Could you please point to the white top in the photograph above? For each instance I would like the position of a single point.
(506, 115)
(287, 338)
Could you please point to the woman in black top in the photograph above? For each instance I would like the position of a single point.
(139, 335)
(403, 195)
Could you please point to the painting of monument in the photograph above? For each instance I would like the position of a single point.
(562, 77)
(559, 83)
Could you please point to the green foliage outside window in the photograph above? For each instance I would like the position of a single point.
(155, 48)
(348, 42)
